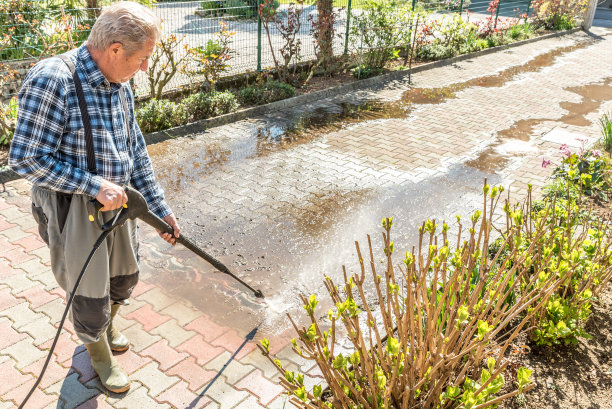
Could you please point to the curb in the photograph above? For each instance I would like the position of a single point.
(7, 175)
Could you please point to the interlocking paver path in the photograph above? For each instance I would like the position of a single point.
(282, 208)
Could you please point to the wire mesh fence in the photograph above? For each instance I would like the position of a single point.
(34, 29)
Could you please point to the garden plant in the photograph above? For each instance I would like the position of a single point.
(439, 329)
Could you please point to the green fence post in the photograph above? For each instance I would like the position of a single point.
(258, 36)
(461, 8)
(413, 4)
(527, 12)
(497, 13)
(348, 24)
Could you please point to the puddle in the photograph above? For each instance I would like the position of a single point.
(496, 157)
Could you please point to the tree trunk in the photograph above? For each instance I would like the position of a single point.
(325, 35)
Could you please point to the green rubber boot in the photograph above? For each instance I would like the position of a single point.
(116, 340)
(106, 366)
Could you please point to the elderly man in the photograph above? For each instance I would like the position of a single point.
(76, 139)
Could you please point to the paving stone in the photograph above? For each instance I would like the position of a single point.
(81, 363)
(72, 391)
(206, 327)
(259, 386)
(156, 298)
(132, 306)
(34, 267)
(30, 242)
(201, 350)
(224, 394)
(141, 287)
(7, 300)
(164, 354)
(131, 362)
(173, 332)
(40, 330)
(23, 352)
(42, 253)
(39, 399)
(9, 335)
(53, 373)
(234, 343)
(154, 379)
(21, 315)
(37, 296)
(148, 317)
(282, 402)
(54, 310)
(139, 399)
(65, 349)
(179, 396)
(19, 283)
(182, 313)
(14, 234)
(98, 402)
(192, 373)
(229, 367)
(11, 377)
(140, 339)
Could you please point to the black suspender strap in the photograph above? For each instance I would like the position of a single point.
(91, 157)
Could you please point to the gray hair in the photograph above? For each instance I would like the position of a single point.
(126, 22)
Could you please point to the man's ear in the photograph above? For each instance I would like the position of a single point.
(115, 48)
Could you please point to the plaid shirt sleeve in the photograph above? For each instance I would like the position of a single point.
(143, 177)
(38, 134)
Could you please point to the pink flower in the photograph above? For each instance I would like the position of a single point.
(546, 162)
(596, 153)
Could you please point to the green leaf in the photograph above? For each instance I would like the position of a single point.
(393, 346)
(317, 390)
(266, 344)
(523, 377)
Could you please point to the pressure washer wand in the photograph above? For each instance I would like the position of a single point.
(159, 224)
(136, 207)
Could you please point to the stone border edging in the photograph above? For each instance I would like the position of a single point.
(7, 175)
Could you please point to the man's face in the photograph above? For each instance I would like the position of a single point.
(124, 66)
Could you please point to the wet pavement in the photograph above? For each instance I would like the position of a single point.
(281, 199)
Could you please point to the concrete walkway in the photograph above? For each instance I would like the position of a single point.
(281, 199)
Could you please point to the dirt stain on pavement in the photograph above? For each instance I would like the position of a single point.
(440, 95)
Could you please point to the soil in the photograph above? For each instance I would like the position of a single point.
(572, 377)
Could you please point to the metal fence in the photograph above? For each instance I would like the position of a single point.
(32, 26)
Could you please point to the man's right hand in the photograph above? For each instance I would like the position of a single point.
(112, 196)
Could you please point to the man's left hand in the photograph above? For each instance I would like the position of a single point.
(171, 220)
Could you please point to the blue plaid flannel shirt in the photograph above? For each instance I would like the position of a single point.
(49, 147)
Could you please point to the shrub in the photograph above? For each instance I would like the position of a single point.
(166, 62)
(364, 71)
(223, 103)
(557, 14)
(382, 29)
(267, 92)
(441, 329)
(8, 121)
(435, 52)
(587, 170)
(157, 115)
(605, 122)
(212, 59)
(238, 8)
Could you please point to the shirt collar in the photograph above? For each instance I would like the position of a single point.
(91, 70)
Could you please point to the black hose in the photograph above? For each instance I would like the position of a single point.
(61, 324)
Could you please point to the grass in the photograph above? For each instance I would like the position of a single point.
(606, 130)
